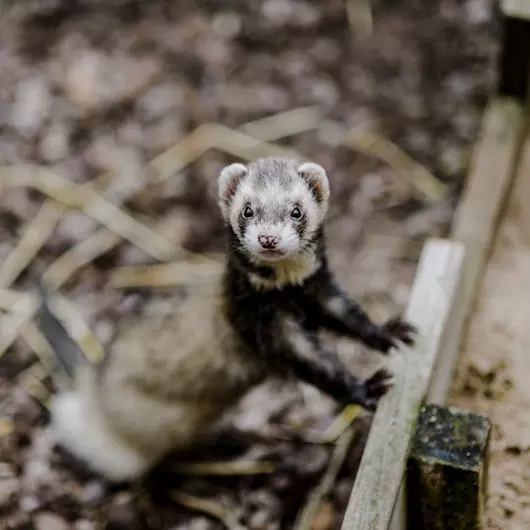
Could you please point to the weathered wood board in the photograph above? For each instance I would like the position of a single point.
(490, 178)
(385, 455)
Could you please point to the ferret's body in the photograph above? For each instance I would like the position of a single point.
(173, 370)
(176, 367)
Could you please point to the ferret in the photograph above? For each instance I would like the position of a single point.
(178, 365)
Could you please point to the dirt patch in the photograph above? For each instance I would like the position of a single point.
(492, 376)
(91, 86)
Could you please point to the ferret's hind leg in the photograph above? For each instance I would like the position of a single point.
(80, 429)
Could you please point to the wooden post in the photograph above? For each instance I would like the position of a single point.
(514, 60)
(447, 469)
(385, 455)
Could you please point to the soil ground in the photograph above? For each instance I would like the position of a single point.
(494, 366)
(90, 86)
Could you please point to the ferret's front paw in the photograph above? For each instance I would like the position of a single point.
(392, 332)
(375, 387)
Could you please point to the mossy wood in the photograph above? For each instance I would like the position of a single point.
(514, 61)
(385, 456)
(447, 469)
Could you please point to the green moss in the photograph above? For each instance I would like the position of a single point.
(450, 436)
(446, 468)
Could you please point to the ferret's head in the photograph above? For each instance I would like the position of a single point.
(275, 206)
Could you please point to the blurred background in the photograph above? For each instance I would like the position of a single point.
(157, 96)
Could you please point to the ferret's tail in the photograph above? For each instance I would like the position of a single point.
(80, 428)
(67, 351)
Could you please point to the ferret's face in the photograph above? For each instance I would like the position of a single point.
(274, 206)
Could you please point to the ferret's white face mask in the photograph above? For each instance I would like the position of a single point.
(274, 206)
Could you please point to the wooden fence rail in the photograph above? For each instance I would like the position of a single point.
(385, 455)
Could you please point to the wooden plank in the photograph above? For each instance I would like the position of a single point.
(384, 458)
(447, 469)
(514, 57)
(490, 179)
(516, 8)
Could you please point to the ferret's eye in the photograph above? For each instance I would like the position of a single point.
(247, 212)
(296, 213)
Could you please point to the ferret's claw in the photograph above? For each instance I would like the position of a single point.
(392, 332)
(377, 386)
(401, 330)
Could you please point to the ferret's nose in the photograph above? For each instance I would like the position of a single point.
(268, 242)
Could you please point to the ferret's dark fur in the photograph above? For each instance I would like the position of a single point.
(177, 367)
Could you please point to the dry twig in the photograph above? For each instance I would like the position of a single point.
(359, 13)
(229, 516)
(239, 143)
(31, 379)
(6, 426)
(305, 518)
(283, 124)
(342, 422)
(163, 275)
(91, 203)
(35, 235)
(24, 306)
(15, 301)
(238, 467)
(372, 143)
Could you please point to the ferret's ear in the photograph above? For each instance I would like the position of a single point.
(316, 177)
(229, 179)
